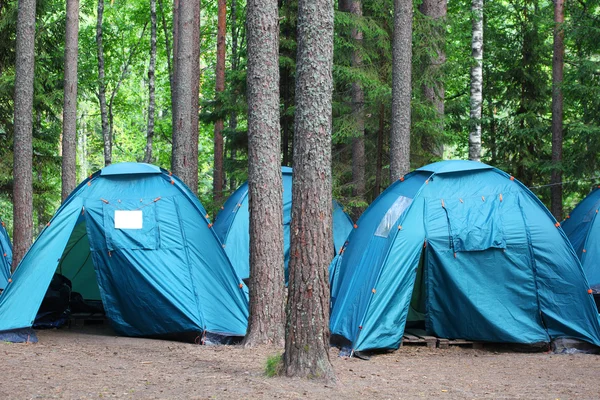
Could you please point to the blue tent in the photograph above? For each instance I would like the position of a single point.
(583, 230)
(5, 256)
(468, 252)
(135, 237)
(232, 225)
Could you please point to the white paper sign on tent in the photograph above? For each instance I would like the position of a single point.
(129, 219)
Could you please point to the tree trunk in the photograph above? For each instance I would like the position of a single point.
(151, 67)
(401, 89)
(557, 109)
(476, 81)
(69, 134)
(106, 136)
(435, 93)
(219, 89)
(193, 160)
(358, 99)
(267, 313)
(167, 44)
(233, 118)
(182, 160)
(174, 71)
(379, 163)
(23, 134)
(307, 335)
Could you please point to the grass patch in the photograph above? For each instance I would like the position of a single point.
(273, 365)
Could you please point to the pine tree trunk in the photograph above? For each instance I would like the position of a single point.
(358, 99)
(307, 334)
(23, 134)
(182, 160)
(151, 67)
(435, 93)
(69, 134)
(106, 136)
(219, 89)
(401, 89)
(193, 159)
(476, 81)
(557, 109)
(267, 313)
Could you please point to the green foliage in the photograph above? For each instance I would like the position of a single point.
(273, 365)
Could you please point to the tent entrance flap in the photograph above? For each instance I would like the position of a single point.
(416, 310)
(76, 263)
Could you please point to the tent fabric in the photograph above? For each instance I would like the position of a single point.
(492, 265)
(5, 256)
(232, 225)
(582, 227)
(168, 277)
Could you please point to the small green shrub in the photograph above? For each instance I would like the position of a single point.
(273, 366)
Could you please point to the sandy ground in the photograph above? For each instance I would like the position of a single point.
(91, 362)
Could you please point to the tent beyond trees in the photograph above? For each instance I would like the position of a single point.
(232, 225)
(467, 251)
(582, 227)
(5, 256)
(135, 237)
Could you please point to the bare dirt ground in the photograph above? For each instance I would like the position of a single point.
(92, 363)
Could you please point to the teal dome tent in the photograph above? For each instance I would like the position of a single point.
(583, 230)
(135, 237)
(232, 225)
(5, 256)
(466, 251)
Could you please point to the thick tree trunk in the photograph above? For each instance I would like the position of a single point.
(435, 93)
(476, 80)
(379, 163)
(401, 89)
(104, 117)
(557, 109)
(307, 335)
(267, 313)
(23, 135)
(193, 161)
(218, 175)
(151, 67)
(182, 160)
(69, 134)
(358, 99)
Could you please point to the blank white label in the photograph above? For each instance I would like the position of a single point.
(129, 219)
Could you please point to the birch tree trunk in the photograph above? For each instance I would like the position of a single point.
(307, 334)
(151, 68)
(476, 81)
(401, 89)
(106, 136)
(557, 109)
(23, 134)
(267, 313)
(69, 134)
(218, 176)
(183, 151)
(435, 92)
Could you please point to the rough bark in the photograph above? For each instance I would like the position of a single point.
(307, 334)
(193, 160)
(401, 89)
(435, 93)
(69, 134)
(358, 111)
(151, 68)
(218, 175)
(476, 80)
(23, 135)
(106, 136)
(267, 313)
(183, 151)
(557, 109)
